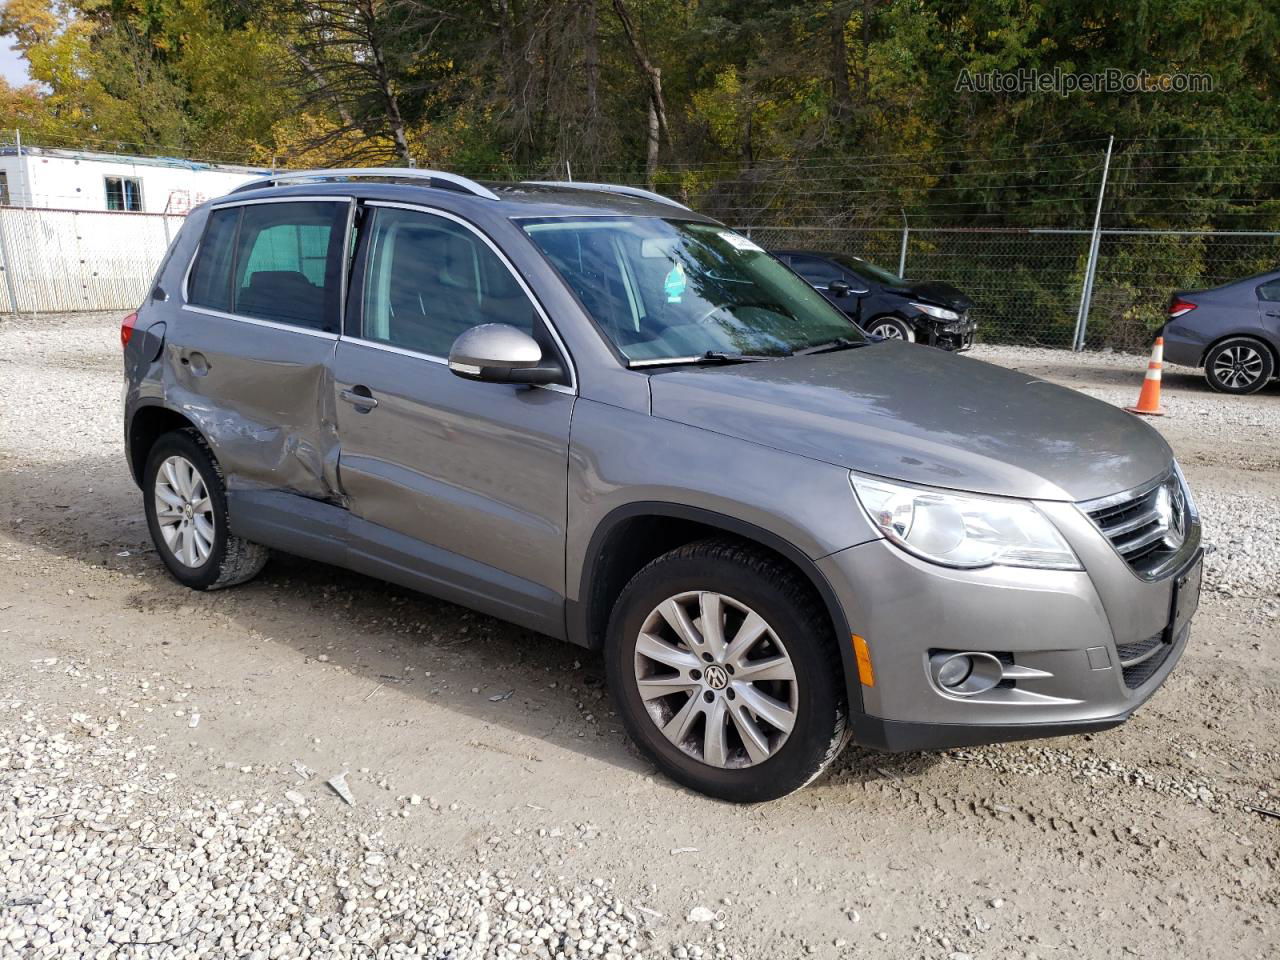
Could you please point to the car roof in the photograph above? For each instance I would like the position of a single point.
(513, 200)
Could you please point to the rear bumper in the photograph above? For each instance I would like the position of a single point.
(1182, 346)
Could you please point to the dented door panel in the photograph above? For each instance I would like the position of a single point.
(477, 469)
(262, 395)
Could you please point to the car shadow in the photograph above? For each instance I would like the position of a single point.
(89, 512)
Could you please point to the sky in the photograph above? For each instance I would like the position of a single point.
(12, 67)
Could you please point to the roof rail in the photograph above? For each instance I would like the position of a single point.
(609, 188)
(453, 180)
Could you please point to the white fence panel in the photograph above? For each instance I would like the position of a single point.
(64, 260)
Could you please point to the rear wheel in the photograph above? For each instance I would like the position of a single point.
(1239, 365)
(891, 328)
(186, 508)
(720, 659)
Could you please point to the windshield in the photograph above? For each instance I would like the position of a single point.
(666, 289)
(868, 271)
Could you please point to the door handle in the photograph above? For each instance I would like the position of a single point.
(359, 397)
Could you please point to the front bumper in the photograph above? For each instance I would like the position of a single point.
(956, 336)
(1066, 631)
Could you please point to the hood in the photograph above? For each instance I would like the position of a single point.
(935, 292)
(925, 416)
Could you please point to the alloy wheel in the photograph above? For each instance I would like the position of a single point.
(715, 679)
(184, 511)
(890, 331)
(1237, 367)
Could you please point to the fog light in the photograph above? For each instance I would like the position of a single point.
(954, 671)
(965, 674)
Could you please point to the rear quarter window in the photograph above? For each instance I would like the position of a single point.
(273, 261)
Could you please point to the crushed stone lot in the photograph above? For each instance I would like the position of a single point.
(165, 756)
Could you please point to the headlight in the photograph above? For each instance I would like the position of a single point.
(938, 313)
(960, 530)
(1186, 491)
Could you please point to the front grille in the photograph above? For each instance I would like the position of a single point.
(1140, 660)
(1143, 525)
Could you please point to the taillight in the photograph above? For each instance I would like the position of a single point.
(1179, 307)
(126, 329)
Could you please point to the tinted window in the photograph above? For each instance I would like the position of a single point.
(289, 263)
(1270, 291)
(868, 271)
(429, 279)
(210, 284)
(816, 271)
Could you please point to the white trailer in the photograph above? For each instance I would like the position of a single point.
(81, 180)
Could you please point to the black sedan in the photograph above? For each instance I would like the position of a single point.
(883, 303)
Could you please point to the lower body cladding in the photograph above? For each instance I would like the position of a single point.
(967, 657)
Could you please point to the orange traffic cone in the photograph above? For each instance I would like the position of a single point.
(1149, 399)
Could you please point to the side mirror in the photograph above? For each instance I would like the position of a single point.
(499, 353)
(838, 288)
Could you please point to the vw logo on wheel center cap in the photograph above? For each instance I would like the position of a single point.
(715, 677)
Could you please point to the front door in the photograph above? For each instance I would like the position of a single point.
(462, 485)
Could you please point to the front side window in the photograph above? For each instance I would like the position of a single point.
(665, 289)
(124, 193)
(429, 279)
(273, 261)
(869, 271)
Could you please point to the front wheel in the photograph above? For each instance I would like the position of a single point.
(1239, 365)
(721, 661)
(186, 508)
(891, 328)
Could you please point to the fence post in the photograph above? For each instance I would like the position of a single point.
(1086, 291)
(902, 256)
(8, 266)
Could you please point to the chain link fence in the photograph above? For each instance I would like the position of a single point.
(1027, 283)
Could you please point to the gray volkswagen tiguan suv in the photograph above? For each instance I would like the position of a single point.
(592, 412)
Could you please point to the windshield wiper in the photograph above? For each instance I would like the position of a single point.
(710, 357)
(831, 346)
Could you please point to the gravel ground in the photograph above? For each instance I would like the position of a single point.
(164, 756)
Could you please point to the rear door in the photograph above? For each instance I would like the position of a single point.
(462, 484)
(1269, 308)
(250, 362)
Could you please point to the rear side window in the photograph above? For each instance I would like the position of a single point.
(274, 261)
(210, 284)
(1269, 291)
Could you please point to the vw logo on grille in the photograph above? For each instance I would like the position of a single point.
(1171, 507)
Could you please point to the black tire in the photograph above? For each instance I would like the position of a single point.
(905, 330)
(1239, 365)
(231, 560)
(794, 613)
